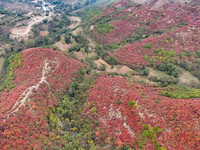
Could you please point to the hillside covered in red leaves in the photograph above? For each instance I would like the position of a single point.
(136, 115)
(173, 26)
(182, 39)
(43, 75)
(129, 18)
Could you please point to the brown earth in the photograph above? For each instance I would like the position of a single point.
(76, 20)
(79, 55)
(22, 32)
(44, 33)
(63, 47)
(124, 70)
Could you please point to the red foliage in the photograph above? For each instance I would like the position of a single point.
(179, 118)
(170, 16)
(23, 114)
(185, 38)
(118, 33)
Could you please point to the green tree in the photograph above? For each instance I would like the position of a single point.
(30, 43)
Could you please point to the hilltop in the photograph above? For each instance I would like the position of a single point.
(34, 80)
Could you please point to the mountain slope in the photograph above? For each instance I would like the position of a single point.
(41, 75)
(128, 18)
(185, 38)
(137, 115)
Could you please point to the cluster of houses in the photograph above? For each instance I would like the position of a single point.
(46, 7)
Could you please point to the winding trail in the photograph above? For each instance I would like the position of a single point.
(23, 32)
(24, 97)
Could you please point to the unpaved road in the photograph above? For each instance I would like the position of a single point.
(20, 33)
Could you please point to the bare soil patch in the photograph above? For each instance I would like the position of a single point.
(35, 1)
(118, 68)
(1, 16)
(124, 70)
(76, 20)
(188, 79)
(63, 47)
(91, 27)
(44, 33)
(100, 62)
(75, 32)
(1, 63)
(79, 55)
(185, 78)
(72, 2)
(22, 32)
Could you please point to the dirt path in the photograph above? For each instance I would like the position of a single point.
(20, 33)
(25, 96)
(75, 32)
(92, 44)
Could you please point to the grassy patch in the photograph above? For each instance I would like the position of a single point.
(1, 63)
(104, 28)
(150, 133)
(148, 45)
(13, 62)
(181, 92)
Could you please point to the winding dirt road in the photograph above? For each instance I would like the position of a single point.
(20, 33)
